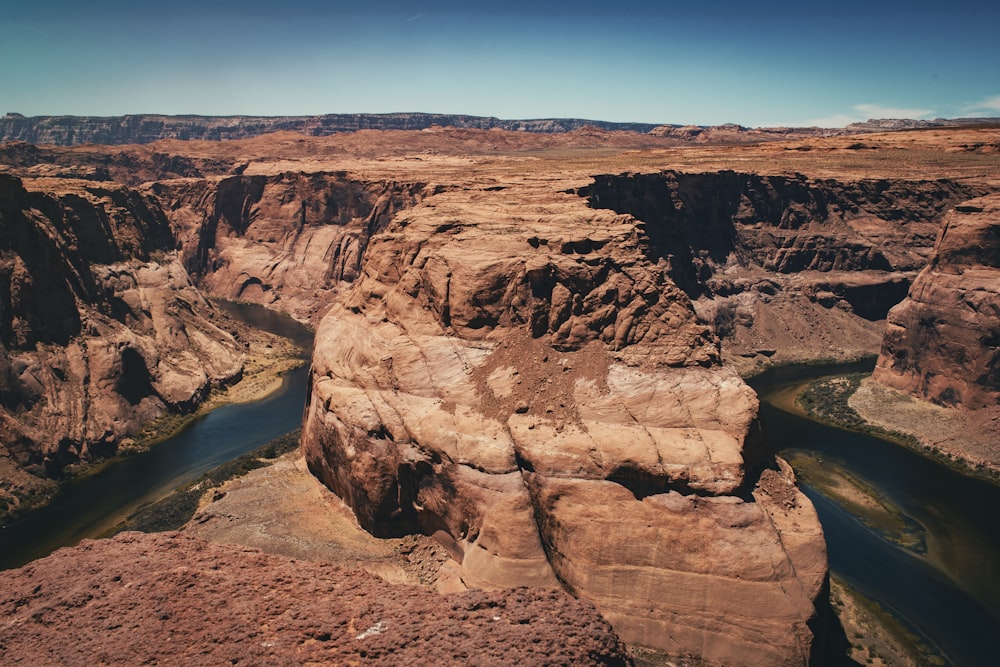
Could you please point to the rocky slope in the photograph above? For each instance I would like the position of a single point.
(533, 392)
(100, 328)
(171, 599)
(786, 267)
(942, 343)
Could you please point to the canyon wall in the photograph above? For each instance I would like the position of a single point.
(786, 268)
(285, 241)
(101, 329)
(540, 397)
(942, 343)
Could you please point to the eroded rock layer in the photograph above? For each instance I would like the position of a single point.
(540, 396)
(101, 329)
(942, 343)
(787, 267)
(170, 599)
(285, 240)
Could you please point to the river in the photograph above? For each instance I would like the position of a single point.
(948, 591)
(91, 506)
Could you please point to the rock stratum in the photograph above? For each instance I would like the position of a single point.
(101, 329)
(787, 267)
(942, 343)
(540, 396)
(170, 599)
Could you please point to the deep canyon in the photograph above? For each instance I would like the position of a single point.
(529, 346)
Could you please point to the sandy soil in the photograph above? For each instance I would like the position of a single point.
(969, 437)
(283, 509)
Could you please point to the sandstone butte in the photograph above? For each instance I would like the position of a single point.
(528, 345)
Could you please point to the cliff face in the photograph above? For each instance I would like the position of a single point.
(285, 241)
(785, 266)
(100, 327)
(942, 343)
(540, 397)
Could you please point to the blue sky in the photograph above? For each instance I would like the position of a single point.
(773, 62)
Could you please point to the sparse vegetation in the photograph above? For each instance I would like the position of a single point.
(178, 508)
(876, 636)
(827, 399)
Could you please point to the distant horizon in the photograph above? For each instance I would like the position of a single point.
(16, 114)
(775, 63)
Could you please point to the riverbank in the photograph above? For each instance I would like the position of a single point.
(965, 441)
(268, 357)
(875, 637)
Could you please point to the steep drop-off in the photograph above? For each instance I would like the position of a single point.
(284, 241)
(786, 267)
(942, 343)
(100, 328)
(540, 397)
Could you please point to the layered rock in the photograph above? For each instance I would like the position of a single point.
(942, 343)
(285, 241)
(540, 397)
(170, 599)
(100, 328)
(786, 267)
(146, 128)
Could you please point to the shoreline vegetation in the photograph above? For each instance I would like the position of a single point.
(179, 507)
(832, 400)
(874, 635)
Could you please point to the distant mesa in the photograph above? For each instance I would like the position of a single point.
(147, 128)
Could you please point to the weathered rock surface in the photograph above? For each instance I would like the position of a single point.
(942, 343)
(285, 241)
(100, 327)
(170, 599)
(540, 397)
(787, 267)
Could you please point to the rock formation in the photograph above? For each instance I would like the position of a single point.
(942, 343)
(100, 327)
(539, 396)
(786, 267)
(285, 241)
(171, 599)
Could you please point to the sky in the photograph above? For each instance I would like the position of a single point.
(765, 63)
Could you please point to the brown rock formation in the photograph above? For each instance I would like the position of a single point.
(291, 237)
(534, 393)
(786, 267)
(100, 327)
(942, 343)
(171, 599)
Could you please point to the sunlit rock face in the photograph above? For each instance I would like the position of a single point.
(942, 343)
(519, 375)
